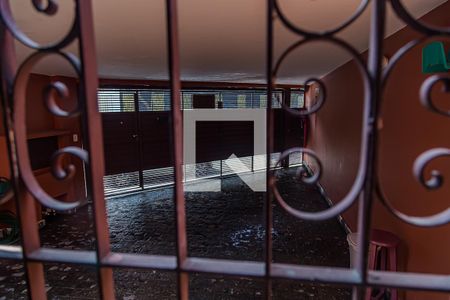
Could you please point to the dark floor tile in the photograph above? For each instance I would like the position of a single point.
(226, 225)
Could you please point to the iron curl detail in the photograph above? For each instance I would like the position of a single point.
(426, 29)
(422, 161)
(64, 172)
(435, 182)
(308, 33)
(396, 58)
(311, 180)
(50, 9)
(323, 95)
(62, 91)
(435, 220)
(427, 86)
(316, 106)
(358, 184)
(426, 89)
(20, 129)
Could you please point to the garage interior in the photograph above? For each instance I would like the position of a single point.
(223, 68)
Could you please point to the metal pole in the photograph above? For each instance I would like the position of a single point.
(177, 134)
(25, 203)
(269, 150)
(94, 143)
(138, 138)
(364, 214)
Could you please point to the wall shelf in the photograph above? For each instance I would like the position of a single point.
(47, 133)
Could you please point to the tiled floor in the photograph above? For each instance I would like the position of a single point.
(220, 225)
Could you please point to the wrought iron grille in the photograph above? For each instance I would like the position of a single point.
(26, 189)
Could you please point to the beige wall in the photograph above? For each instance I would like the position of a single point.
(409, 129)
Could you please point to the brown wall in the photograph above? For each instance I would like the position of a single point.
(408, 130)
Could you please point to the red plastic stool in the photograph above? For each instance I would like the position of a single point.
(382, 256)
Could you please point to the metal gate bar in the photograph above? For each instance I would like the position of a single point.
(26, 189)
(366, 198)
(177, 129)
(268, 215)
(25, 208)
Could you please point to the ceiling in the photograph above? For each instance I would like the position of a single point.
(220, 40)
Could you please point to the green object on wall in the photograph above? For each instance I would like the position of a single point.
(434, 58)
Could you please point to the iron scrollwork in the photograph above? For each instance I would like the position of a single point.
(329, 37)
(425, 98)
(307, 33)
(419, 26)
(436, 179)
(50, 9)
(182, 263)
(59, 169)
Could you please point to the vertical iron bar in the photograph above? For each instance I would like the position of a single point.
(375, 69)
(177, 129)
(183, 107)
(30, 236)
(25, 203)
(269, 150)
(94, 143)
(138, 138)
(286, 100)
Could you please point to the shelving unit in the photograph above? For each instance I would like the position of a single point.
(41, 124)
(54, 187)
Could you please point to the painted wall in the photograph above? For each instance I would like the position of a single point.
(408, 130)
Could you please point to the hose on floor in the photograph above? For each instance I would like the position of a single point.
(11, 233)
